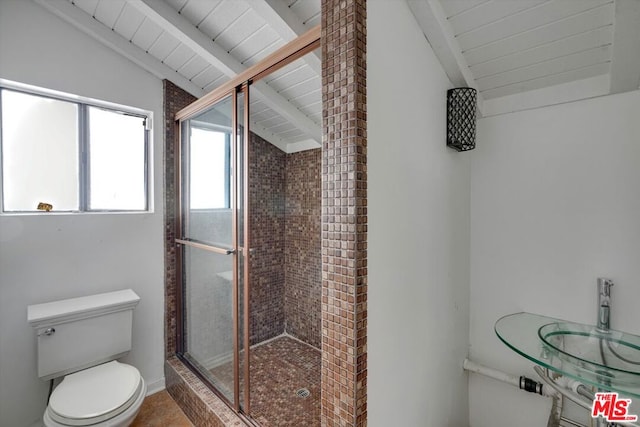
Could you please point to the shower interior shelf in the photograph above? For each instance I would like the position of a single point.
(609, 361)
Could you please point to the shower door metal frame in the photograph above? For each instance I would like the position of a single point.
(246, 250)
(235, 250)
(292, 51)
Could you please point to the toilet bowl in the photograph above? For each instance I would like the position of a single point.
(106, 395)
(80, 340)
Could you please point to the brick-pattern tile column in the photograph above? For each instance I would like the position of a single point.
(175, 99)
(344, 213)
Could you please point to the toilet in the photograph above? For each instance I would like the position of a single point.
(80, 339)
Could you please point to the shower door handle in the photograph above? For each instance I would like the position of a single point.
(206, 247)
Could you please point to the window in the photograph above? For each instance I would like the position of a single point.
(209, 169)
(75, 156)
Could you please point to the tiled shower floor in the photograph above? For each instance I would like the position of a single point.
(280, 368)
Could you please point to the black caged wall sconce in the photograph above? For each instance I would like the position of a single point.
(461, 118)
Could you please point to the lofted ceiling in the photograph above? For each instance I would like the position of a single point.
(201, 44)
(523, 54)
(518, 54)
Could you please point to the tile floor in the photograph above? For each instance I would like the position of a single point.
(279, 368)
(160, 410)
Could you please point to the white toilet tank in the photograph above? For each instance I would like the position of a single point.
(78, 333)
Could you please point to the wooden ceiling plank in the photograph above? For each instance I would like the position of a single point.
(198, 12)
(433, 22)
(287, 24)
(180, 28)
(456, 7)
(307, 11)
(129, 22)
(88, 6)
(146, 35)
(547, 81)
(244, 27)
(578, 60)
(625, 65)
(571, 91)
(302, 88)
(489, 12)
(179, 57)
(526, 20)
(196, 66)
(164, 46)
(205, 76)
(221, 19)
(595, 18)
(599, 37)
(108, 12)
(85, 23)
(283, 128)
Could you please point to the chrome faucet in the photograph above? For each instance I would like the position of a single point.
(604, 324)
(604, 303)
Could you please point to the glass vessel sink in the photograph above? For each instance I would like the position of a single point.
(612, 353)
(606, 360)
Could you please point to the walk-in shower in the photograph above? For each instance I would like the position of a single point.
(248, 236)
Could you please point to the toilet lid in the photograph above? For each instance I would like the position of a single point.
(95, 394)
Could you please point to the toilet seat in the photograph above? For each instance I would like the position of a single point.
(96, 394)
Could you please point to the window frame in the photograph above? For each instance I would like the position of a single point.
(83, 145)
(227, 162)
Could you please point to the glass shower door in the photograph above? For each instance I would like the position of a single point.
(209, 243)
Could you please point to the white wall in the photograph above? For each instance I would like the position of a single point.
(554, 205)
(48, 257)
(418, 241)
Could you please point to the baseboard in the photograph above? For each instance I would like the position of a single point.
(155, 386)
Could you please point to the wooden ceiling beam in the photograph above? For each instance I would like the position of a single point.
(286, 23)
(184, 31)
(433, 21)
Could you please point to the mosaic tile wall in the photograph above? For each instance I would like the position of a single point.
(202, 407)
(303, 262)
(200, 404)
(267, 198)
(344, 213)
(175, 99)
(344, 223)
(267, 207)
(268, 195)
